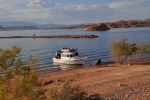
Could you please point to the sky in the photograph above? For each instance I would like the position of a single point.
(73, 11)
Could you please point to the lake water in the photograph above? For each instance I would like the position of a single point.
(92, 48)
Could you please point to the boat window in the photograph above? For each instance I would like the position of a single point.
(58, 55)
(64, 55)
(76, 54)
(72, 55)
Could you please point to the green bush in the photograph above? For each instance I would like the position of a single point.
(122, 50)
(17, 80)
(143, 50)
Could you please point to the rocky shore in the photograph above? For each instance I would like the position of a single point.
(119, 24)
(112, 81)
(54, 36)
(99, 27)
(127, 24)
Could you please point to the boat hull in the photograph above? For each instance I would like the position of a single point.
(70, 61)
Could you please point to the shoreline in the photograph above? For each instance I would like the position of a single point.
(110, 80)
(54, 36)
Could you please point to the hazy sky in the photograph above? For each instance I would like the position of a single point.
(73, 11)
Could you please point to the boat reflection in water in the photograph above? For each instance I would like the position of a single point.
(58, 66)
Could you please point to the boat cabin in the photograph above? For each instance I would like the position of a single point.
(68, 56)
(66, 53)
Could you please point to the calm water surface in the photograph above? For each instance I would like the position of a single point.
(92, 48)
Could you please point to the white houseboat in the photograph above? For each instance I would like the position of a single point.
(68, 56)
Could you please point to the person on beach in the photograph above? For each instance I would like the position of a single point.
(98, 62)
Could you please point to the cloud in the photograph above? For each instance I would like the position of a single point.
(86, 7)
(133, 9)
(15, 11)
(28, 14)
(127, 14)
(5, 4)
(46, 11)
(123, 4)
(36, 4)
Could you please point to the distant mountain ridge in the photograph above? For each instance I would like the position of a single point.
(17, 24)
(4, 26)
(30, 24)
(119, 24)
(53, 26)
(12, 25)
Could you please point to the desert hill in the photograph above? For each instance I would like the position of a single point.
(119, 24)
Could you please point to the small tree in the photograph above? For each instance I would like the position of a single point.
(121, 50)
(17, 80)
(131, 51)
(143, 50)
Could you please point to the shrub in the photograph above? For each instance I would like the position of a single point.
(122, 50)
(143, 50)
(17, 80)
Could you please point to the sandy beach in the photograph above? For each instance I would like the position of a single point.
(113, 81)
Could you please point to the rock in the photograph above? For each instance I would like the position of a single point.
(100, 27)
(48, 82)
(42, 82)
(127, 96)
(60, 81)
(121, 84)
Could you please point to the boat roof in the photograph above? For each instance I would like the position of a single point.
(67, 50)
(67, 53)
